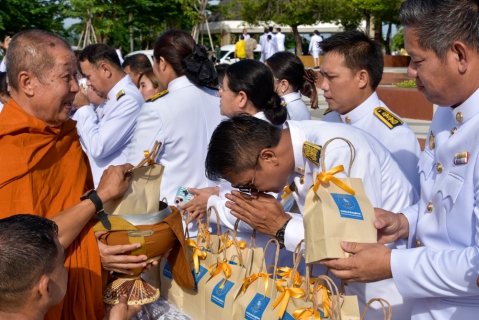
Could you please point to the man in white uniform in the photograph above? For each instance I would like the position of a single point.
(105, 134)
(352, 70)
(263, 41)
(314, 48)
(269, 158)
(440, 268)
(274, 42)
(280, 38)
(246, 36)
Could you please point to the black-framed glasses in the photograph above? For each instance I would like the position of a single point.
(249, 189)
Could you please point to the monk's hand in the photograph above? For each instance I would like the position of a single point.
(121, 311)
(81, 100)
(196, 207)
(114, 182)
(114, 259)
(370, 262)
(390, 226)
(261, 211)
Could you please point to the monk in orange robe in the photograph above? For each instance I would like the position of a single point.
(43, 169)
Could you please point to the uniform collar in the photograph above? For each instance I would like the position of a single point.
(467, 110)
(179, 83)
(261, 115)
(290, 97)
(298, 137)
(119, 86)
(362, 110)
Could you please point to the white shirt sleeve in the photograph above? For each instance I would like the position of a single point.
(100, 141)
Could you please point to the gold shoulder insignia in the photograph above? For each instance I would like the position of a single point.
(158, 95)
(327, 111)
(389, 118)
(312, 152)
(120, 94)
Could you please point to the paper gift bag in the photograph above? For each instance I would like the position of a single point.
(336, 210)
(143, 193)
(383, 303)
(226, 279)
(258, 292)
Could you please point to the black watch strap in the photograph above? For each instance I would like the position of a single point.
(280, 234)
(93, 196)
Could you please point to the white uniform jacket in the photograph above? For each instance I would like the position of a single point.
(440, 274)
(106, 134)
(263, 41)
(314, 43)
(384, 182)
(297, 109)
(280, 37)
(183, 121)
(397, 137)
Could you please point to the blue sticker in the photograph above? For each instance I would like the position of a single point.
(256, 307)
(348, 206)
(287, 316)
(218, 296)
(167, 271)
(198, 275)
(233, 262)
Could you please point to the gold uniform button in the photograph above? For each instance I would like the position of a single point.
(439, 167)
(301, 169)
(418, 243)
(430, 207)
(453, 130)
(348, 120)
(459, 117)
(301, 180)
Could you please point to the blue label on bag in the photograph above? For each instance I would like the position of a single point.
(218, 296)
(233, 262)
(167, 271)
(198, 275)
(348, 206)
(287, 316)
(256, 307)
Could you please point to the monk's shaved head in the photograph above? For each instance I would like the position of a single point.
(31, 51)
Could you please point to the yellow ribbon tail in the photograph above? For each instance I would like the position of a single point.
(286, 294)
(197, 254)
(306, 313)
(287, 192)
(328, 176)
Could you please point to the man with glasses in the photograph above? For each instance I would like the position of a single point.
(259, 157)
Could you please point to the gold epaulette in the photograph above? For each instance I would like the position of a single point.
(120, 94)
(387, 117)
(327, 111)
(312, 152)
(158, 95)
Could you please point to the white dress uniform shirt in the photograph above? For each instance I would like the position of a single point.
(3, 66)
(440, 273)
(400, 140)
(106, 134)
(263, 41)
(297, 109)
(120, 56)
(384, 182)
(314, 45)
(183, 121)
(280, 38)
(273, 48)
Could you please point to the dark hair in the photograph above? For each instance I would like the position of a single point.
(221, 71)
(316, 32)
(256, 80)
(438, 23)
(236, 144)
(278, 29)
(286, 65)
(138, 63)
(3, 83)
(265, 30)
(241, 38)
(270, 29)
(151, 76)
(30, 51)
(117, 46)
(359, 51)
(179, 49)
(269, 36)
(98, 53)
(27, 252)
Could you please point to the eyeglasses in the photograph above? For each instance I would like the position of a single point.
(249, 189)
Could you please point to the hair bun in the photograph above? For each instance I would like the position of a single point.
(200, 67)
(274, 111)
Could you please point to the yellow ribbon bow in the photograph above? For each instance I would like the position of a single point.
(228, 243)
(216, 268)
(252, 278)
(306, 313)
(286, 294)
(325, 296)
(197, 254)
(287, 272)
(329, 176)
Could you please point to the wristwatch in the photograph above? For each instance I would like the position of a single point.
(93, 196)
(280, 234)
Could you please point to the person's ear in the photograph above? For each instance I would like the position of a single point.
(284, 85)
(268, 157)
(461, 55)
(105, 70)
(43, 288)
(363, 78)
(26, 83)
(162, 64)
(243, 99)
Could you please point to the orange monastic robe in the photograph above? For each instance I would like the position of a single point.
(43, 171)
